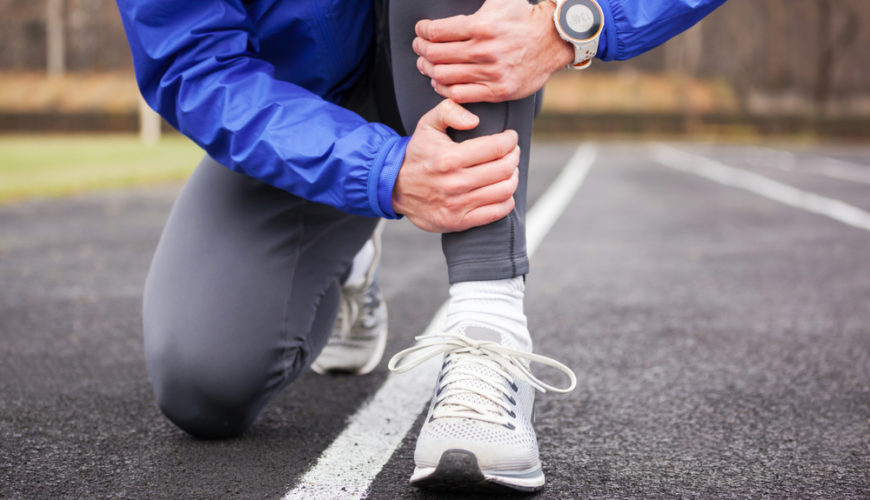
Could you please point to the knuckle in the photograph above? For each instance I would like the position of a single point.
(433, 30)
(506, 190)
(447, 162)
(453, 205)
(441, 168)
(501, 91)
(508, 170)
(484, 28)
(478, 53)
(424, 49)
(451, 186)
(490, 72)
(460, 94)
(448, 106)
(505, 146)
(448, 219)
(439, 218)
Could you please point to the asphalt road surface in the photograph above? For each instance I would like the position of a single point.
(720, 333)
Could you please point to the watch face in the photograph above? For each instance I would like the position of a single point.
(580, 19)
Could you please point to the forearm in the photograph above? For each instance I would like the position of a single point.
(199, 69)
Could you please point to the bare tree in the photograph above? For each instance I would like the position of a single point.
(683, 54)
(832, 43)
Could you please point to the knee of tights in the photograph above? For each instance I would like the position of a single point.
(208, 403)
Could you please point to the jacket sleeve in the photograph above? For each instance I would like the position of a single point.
(196, 64)
(632, 27)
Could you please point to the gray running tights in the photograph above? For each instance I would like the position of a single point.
(244, 286)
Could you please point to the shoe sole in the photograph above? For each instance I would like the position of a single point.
(458, 470)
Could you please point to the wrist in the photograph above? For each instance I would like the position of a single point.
(561, 51)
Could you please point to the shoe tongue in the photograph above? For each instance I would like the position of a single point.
(482, 333)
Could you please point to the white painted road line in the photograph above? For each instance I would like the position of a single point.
(347, 468)
(777, 191)
(820, 165)
(547, 209)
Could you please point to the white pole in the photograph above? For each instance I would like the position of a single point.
(149, 123)
(54, 37)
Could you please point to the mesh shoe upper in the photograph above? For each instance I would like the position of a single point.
(483, 401)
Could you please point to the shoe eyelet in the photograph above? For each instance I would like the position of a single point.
(514, 386)
(511, 427)
(512, 414)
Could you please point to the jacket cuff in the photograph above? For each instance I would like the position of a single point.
(382, 177)
(607, 45)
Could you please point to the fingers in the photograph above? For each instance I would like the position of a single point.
(486, 214)
(470, 179)
(448, 114)
(448, 29)
(451, 74)
(493, 183)
(465, 51)
(488, 148)
(472, 92)
(481, 206)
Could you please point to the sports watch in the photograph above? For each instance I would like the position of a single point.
(579, 22)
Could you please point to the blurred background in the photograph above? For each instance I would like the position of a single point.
(786, 69)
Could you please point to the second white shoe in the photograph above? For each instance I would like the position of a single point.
(360, 334)
(478, 433)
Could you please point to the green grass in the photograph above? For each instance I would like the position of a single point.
(35, 166)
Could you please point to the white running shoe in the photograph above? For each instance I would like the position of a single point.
(478, 434)
(360, 333)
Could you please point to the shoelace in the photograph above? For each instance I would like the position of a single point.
(459, 379)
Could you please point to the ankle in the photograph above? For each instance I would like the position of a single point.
(497, 304)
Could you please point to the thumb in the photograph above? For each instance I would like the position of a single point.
(448, 114)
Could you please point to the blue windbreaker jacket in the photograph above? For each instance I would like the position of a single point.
(255, 84)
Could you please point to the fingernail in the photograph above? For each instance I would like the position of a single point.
(420, 64)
